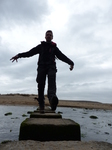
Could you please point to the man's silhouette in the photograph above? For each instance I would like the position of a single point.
(48, 52)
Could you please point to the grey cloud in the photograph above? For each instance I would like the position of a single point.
(88, 91)
(83, 26)
(22, 12)
(81, 22)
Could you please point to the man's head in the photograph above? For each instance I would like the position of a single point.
(49, 36)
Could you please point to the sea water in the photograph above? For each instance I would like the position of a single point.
(92, 129)
(98, 128)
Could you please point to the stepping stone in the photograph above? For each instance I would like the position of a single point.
(45, 111)
(45, 115)
(47, 129)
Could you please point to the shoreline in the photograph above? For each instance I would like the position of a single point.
(30, 100)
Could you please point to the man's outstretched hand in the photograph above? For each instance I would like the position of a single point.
(14, 58)
(71, 67)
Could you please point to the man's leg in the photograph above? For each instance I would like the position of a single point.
(41, 78)
(52, 89)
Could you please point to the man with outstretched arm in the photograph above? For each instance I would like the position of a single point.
(48, 52)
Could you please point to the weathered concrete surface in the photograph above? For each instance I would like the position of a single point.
(44, 129)
(55, 145)
(45, 111)
(45, 115)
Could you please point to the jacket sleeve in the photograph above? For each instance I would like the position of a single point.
(33, 51)
(63, 57)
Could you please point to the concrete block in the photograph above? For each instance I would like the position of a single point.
(44, 129)
(45, 115)
(45, 111)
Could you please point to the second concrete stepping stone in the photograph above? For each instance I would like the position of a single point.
(45, 115)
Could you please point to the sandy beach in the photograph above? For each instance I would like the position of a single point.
(30, 100)
(26, 99)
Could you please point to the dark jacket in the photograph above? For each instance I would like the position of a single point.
(48, 52)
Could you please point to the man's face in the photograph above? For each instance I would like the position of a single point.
(49, 36)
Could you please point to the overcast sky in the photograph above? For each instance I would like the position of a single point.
(82, 30)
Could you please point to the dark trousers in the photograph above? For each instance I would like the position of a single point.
(44, 72)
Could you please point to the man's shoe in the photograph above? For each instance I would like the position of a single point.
(41, 108)
(54, 103)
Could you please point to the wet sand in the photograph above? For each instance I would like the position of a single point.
(55, 145)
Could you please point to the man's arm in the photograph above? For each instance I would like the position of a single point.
(64, 58)
(30, 53)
